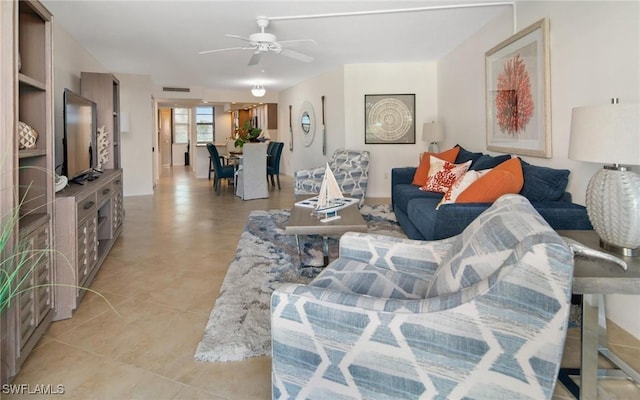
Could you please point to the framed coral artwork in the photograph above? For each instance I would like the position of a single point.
(518, 93)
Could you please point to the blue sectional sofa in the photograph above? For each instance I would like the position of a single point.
(543, 187)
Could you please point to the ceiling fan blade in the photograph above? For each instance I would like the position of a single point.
(255, 58)
(238, 37)
(295, 55)
(295, 42)
(228, 48)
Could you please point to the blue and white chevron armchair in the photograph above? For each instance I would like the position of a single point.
(351, 169)
(481, 315)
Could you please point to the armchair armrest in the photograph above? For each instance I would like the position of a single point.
(414, 257)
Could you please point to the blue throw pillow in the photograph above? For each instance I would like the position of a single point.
(543, 183)
(486, 161)
(466, 155)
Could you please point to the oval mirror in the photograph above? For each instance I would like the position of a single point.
(307, 123)
(305, 120)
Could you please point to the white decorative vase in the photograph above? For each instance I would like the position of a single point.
(27, 136)
(613, 205)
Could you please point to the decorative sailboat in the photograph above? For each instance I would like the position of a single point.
(330, 198)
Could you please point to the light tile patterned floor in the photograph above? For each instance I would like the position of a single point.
(163, 276)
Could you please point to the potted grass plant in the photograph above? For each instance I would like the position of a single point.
(18, 262)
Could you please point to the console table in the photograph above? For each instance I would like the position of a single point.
(593, 279)
(89, 220)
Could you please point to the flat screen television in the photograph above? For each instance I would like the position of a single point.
(79, 136)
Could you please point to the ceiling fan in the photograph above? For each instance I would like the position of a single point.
(263, 42)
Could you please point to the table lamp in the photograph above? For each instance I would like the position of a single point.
(432, 133)
(610, 134)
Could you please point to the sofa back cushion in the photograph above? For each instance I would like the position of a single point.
(543, 183)
(488, 243)
(465, 155)
(486, 161)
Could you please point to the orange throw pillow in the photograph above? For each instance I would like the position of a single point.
(504, 178)
(422, 172)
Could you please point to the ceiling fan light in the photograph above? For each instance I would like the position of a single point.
(258, 90)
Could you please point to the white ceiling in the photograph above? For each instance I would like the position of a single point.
(162, 38)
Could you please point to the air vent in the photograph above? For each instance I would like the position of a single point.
(176, 89)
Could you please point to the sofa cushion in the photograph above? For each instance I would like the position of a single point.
(543, 183)
(443, 174)
(422, 172)
(486, 161)
(466, 155)
(563, 215)
(403, 193)
(423, 211)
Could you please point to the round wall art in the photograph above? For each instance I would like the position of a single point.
(390, 118)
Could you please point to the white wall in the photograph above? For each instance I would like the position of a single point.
(361, 79)
(69, 61)
(330, 85)
(344, 91)
(223, 125)
(595, 55)
(136, 145)
(135, 97)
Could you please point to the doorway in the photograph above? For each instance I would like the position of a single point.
(164, 136)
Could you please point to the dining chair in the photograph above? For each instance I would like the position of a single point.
(273, 161)
(219, 171)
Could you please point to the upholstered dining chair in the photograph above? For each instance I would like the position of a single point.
(350, 167)
(480, 315)
(274, 153)
(220, 171)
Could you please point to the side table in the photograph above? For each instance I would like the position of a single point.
(593, 279)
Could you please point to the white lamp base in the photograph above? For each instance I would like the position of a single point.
(613, 205)
(434, 148)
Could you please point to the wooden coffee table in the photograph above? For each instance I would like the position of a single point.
(304, 222)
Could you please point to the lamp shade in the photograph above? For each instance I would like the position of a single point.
(125, 122)
(607, 134)
(258, 90)
(432, 132)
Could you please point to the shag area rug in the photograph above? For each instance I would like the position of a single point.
(239, 325)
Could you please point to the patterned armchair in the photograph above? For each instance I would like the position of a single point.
(480, 315)
(350, 167)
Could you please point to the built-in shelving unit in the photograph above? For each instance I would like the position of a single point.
(104, 90)
(27, 175)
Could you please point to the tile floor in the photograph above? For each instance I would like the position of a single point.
(163, 276)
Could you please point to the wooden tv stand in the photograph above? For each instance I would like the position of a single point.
(88, 222)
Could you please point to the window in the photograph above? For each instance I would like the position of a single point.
(205, 129)
(180, 125)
